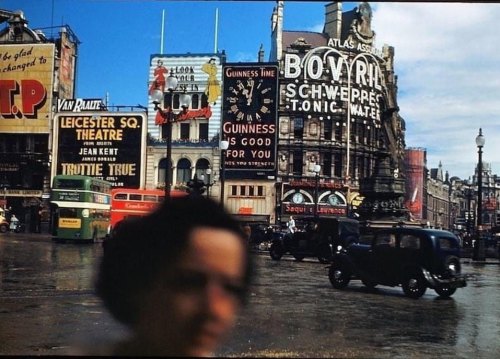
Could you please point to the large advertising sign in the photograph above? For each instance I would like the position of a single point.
(198, 76)
(327, 81)
(26, 84)
(109, 146)
(249, 116)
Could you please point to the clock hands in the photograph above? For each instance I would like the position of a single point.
(249, 93)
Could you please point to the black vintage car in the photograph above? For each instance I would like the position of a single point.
(319, 238)
(415, 258)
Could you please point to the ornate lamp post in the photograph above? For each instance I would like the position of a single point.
(316, 170)
(479, 253)
(169, 117)
(224, 145)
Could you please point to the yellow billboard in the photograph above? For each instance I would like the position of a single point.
(26, 86)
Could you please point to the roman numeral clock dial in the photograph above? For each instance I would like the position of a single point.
(249, 101)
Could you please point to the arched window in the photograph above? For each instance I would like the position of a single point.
(183, 171)
(195, 101)
(201, 169)
(161, 172)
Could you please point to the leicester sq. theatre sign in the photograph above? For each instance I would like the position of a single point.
(105, 145)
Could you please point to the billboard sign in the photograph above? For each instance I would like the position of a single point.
(109, 146)
(249, 119)
(26, 87)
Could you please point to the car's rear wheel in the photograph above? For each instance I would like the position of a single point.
(298, 256)
(4, 228)
(276, 251)
(414, 285)
(324, 253)
(339, 275)
(445, 291)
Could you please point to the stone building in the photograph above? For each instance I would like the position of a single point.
(341, 138)
(36, 72)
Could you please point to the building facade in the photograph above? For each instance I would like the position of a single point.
(36, 72)
(340, 139)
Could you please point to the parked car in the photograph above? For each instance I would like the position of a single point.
(415, 258)
(318, 238)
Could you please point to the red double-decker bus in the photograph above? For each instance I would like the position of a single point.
(133, 202)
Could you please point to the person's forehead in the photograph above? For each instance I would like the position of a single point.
(215, 249)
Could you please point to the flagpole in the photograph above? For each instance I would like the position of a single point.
(162, 30)
(216, 29)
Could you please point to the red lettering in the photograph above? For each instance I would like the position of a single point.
(33, 94)
(7, 89)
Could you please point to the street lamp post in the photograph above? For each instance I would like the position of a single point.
(479, 253)
(169, 117)
(207, 179)
(316, 170)
(224, 145)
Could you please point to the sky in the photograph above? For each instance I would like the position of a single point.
(447, 57)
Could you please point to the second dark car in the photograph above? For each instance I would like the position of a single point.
(318, 238)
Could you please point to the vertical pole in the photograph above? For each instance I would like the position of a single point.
(316, 196)
(216, 29)
(480, 244)
(168, 173)
(162, 30)
(222, 175)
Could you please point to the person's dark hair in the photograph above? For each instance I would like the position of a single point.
(141, 248)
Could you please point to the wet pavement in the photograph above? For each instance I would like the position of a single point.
(48, 307)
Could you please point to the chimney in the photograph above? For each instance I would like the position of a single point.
(333, 20)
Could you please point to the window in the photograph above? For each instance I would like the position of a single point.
(297, 162)
(327, 129)
(203, 131)
(121, 196)
(386, 239)
(247, 191)
(185, 131)
(327, 165)
(135, 197)
(183, 170)
(446, 243)
(410, 241)
(298, 127)
(195, 101)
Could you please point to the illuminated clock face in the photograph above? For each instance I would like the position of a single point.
(298, 198)
(333, 200)
(250, 100)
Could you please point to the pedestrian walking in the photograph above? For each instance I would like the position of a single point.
(291, 225)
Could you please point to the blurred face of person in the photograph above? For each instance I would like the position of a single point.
(196, 302)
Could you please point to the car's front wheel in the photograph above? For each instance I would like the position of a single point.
(276, 251)
(445, 291)
(339, 275)
(414, 285)
(369, 283)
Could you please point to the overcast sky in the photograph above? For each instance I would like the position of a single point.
(447, 60)
(447, 57)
